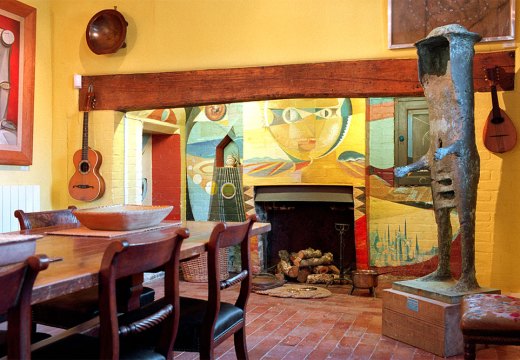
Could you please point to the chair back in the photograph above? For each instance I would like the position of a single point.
(17, 282)
(37, 219)
(122, 259)
(222, 236)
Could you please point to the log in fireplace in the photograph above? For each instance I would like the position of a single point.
(302, 216)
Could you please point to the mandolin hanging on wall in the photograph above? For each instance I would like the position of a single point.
(87, 184)
(499, 130)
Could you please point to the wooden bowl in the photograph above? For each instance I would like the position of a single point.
(122, 217)
(106, 32)
(16, 248)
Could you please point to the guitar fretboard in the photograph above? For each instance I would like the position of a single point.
(84, 147)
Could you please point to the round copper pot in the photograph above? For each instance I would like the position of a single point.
(364, 279)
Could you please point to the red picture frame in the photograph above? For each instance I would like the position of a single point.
(18, 36)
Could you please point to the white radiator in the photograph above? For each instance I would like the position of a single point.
(14, 197)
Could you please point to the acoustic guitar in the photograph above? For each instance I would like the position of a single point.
(87, 184)
(499, 130)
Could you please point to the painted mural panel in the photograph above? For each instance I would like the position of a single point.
(206, 126)
(317, 141)
(401, 222)
(320, 141)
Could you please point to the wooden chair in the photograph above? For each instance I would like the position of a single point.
(17, 282)
(204, 324)
(33, 220)
(68, 310)
(146, 333)
(489, 319)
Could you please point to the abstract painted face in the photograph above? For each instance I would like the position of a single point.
(308, 129)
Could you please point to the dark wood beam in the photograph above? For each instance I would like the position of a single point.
(360, 78)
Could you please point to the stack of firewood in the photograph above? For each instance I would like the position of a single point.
(307, 266)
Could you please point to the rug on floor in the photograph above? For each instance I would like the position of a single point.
(303, 291)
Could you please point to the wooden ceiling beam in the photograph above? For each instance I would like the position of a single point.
(353, 79)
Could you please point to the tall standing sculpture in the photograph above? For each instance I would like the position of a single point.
(446, 74)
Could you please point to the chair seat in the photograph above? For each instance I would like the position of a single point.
(490, 314)
(192, 317)
(73, 309)
(86, 347)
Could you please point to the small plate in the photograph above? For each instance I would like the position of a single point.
(122, 217)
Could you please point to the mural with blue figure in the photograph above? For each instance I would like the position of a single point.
(206, 126)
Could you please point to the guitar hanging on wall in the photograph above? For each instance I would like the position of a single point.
(87, 184)
(499, 130)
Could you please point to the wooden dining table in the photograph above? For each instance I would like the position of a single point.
(78, 252)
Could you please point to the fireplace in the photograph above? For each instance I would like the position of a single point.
(303, 216)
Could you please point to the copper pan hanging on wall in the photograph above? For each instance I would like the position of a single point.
(106, 32)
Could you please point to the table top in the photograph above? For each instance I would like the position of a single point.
(82, 254)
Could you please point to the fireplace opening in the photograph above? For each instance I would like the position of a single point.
(301, 217)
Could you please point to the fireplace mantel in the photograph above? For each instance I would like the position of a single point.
(307, 193)
(360, 78)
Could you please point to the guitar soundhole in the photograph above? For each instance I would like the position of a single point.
(84, 167)
(228, 191)
(497, 120)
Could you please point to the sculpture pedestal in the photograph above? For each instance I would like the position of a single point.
(419, 317)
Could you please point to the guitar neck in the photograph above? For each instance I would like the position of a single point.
(497, 117)
(84, 147)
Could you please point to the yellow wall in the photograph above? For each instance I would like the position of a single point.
(169, 35)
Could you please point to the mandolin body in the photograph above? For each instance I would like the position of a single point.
(499, 132)
(87, 184)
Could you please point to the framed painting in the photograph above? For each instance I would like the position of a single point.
(412, 20)
(17, 48)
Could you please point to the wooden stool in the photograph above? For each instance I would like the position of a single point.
(489, 319)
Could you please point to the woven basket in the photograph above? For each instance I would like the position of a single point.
(196, 270)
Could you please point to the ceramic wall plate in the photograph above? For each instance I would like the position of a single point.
(122, 217)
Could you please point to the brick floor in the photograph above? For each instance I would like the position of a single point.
(337, 327)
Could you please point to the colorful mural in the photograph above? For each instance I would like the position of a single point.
(315, 141)
(205, 128)
(318, 141)
(303, 141)
(279, 141)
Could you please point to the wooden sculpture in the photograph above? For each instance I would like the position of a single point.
(445, 72)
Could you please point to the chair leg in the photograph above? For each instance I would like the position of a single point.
(240, 344)
(469, 351)
(206, 352)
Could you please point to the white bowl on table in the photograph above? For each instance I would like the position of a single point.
(16, 247)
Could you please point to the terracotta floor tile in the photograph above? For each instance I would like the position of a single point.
(363, 352)
(379, 354)
(349, 341)
(371, 339)
(185, 356)
(279, 351)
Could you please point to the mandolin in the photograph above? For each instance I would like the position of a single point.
(499, 130)
(87, 184)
